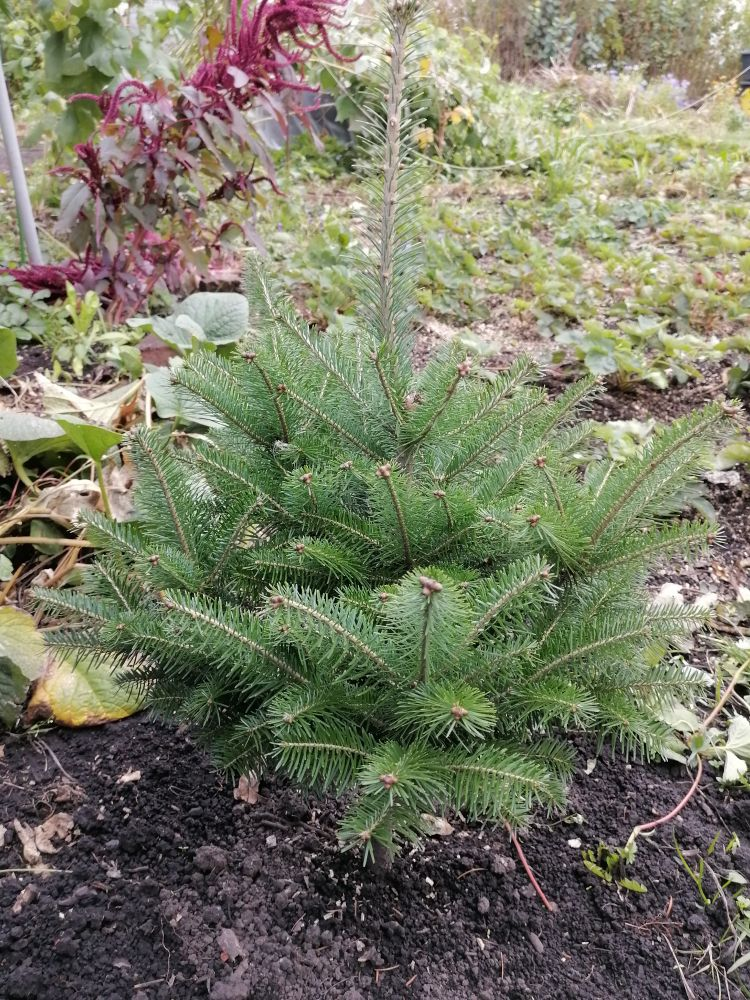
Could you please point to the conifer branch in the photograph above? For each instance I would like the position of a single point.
(272, 392)
(171, 603)
(316, 412)
(484, 448)
(305, 610)
(391, 169)
(541, 463)
(384, 472)
(538, 575)
(232, 542)
(658, 459)
(283, 316)
(140, 440)
(461, 373)
(385, 385)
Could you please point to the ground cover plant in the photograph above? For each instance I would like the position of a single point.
(391, 583)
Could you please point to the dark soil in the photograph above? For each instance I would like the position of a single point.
(171, 889)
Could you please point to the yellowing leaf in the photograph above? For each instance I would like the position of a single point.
(79, 694)
(425, 65)
(21, 660)
(425, 136)
(20, 642)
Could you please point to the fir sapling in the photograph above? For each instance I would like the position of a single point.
(389, 583)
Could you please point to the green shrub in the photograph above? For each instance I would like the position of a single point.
(391, 583)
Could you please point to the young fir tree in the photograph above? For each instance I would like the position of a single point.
(392, 583)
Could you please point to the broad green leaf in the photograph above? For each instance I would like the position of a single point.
(8, 356)
(92, 440)
(13, 688)
(214, 317)
(26, 435)
(734, 767)
(632, 885)
(45, 529)
(734, 452)
(169, 403)
(17, 426)
(738, 736)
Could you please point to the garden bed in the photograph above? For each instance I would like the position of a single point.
(171, 889)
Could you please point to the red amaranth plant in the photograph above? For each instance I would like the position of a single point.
(136, 210)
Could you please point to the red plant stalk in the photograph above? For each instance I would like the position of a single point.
(162, 152)
(527, 868)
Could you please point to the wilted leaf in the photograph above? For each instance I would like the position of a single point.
(104, 409)
(79, 693)
(56, 827)
(670, 593)
(30, 851)
(729, 477)
(119, 481)
(68, 499)
(436, 826)
(247, 789)
(27, 895)
(229, 944)
(6, 568)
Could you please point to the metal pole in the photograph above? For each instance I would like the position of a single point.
(15, 164)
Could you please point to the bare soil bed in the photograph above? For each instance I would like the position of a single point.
(171, 889)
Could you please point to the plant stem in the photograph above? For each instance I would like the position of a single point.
(79, 543)
(102, 487)
(527, 868)
(645, 827)
(391, 169)
(726, 696)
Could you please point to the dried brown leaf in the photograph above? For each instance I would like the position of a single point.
(247, 789)
(59, 826)
(30, 851)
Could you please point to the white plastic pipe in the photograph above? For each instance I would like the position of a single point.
(15, 163)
